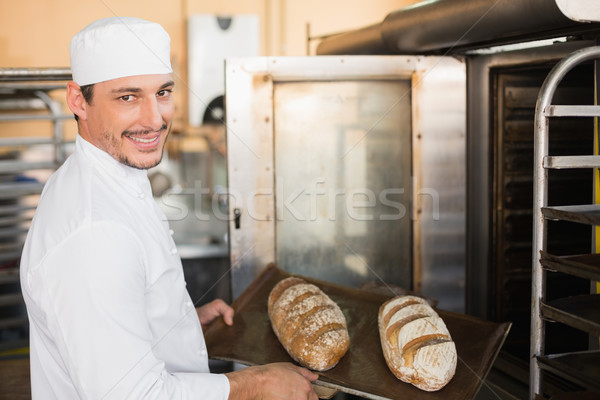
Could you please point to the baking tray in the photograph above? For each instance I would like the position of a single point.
(362, 371)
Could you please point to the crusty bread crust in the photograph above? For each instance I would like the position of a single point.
(416, 344)
(310, 326)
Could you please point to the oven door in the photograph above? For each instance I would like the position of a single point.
(349, 170)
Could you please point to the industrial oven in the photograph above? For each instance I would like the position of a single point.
(402, 154)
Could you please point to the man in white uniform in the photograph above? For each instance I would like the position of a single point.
(110, 317)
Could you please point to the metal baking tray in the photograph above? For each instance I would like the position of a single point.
(363, 370)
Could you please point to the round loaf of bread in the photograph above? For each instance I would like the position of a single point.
(416, 344)
(310, 326)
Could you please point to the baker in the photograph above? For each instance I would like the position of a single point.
(110, 316)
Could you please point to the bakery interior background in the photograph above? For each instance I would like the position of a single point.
(36, 34)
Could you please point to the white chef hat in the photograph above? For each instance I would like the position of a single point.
(116, 47)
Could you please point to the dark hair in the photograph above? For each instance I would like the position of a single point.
(88, 93)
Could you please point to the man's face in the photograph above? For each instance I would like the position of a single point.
(130, 118)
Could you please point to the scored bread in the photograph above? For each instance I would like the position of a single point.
(416, 344)
(310, 326)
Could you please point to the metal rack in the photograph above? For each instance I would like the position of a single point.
(25, 96)
(580, 312)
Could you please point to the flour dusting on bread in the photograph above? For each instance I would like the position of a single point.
(416, 343)
(309, 325)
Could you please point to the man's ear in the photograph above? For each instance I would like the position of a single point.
(76, 101)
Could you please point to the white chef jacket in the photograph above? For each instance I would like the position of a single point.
(110, 316)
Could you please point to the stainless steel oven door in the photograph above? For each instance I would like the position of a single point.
(348, 169)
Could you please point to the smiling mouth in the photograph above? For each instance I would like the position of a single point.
(142, 140)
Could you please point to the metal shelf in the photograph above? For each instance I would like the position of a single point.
(572, 111)
(20, 166)
(25, 141)
(15, 209)
(14, 219)
(13, 232)
(16, 190)
(586, 266)
(11, 299)
(6, 256)
(28, 117)
(34, 74)
(9, 275)
(8, 323)
(583, 214)
(582, 368)
(28, 87)
(581, 312)
(565, 162)
(26, 95)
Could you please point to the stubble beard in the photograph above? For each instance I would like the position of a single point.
(124, 159)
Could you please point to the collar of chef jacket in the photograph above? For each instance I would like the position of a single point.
(134, 179)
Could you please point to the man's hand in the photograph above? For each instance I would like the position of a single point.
(216, 308)
(278, 381)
